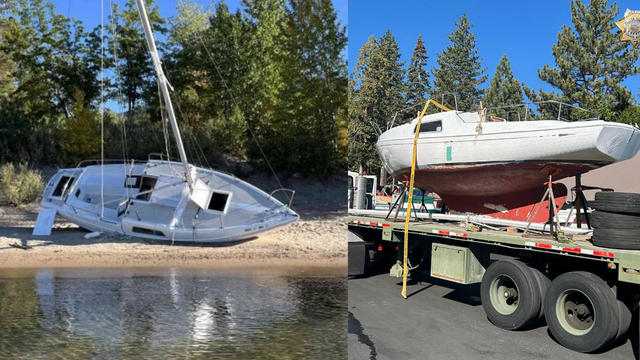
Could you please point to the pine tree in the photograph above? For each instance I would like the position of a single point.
(136, 80)
(418, 85)
(375, 99)
(459, 68)
(591, 61)
(316, 80)
(504, 89)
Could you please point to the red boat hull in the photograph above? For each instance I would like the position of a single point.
(505, 190)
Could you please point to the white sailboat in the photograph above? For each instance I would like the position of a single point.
(498, 166)
(161, 199)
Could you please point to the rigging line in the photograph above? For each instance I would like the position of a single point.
(233, 98)
(177, 102)
(101, 108)
(165, 130)
(123, 129)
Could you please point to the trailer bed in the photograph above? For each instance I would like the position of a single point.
(627, 262)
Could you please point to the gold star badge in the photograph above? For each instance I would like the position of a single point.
(630, 27)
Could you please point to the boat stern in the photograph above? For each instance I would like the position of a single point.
(619, 141)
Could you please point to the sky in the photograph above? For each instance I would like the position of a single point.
(523, 30)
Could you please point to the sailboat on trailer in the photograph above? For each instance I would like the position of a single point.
(499, 167)
(161, 199)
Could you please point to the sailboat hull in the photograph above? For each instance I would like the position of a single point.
(152, 201)
(501, 169)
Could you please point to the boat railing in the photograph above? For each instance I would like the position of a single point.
(455, 99)
(159, 157)
(293, 193)
(89, 162)
(527, 106)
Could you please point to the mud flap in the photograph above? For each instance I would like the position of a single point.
(44, 222)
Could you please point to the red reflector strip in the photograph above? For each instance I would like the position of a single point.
(603, 253)
(371, 223)
(448, 233)
(572, 250)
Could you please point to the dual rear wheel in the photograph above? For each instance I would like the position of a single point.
(580, 308)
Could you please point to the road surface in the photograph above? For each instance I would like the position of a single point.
(442, 320)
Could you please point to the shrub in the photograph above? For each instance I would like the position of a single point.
(21, 185)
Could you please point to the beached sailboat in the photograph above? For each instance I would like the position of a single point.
(161, 199)
(499, 167)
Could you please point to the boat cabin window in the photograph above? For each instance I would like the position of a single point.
(147, 183)
(132, 181)
(219, 201)
(63, 187)
(432, 126)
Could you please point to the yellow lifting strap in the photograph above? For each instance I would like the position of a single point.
(405, 269)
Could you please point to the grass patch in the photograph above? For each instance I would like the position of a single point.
(19, 185)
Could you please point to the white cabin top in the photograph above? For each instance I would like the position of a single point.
(454, 123)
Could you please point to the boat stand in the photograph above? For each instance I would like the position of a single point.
(397, 205)
(553, 211)
(581, 201)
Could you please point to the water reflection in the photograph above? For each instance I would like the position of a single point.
(172, 314)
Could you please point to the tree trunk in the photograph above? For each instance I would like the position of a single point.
(383, 176)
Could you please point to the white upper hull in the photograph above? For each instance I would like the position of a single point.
(458, 143)
(167, 212)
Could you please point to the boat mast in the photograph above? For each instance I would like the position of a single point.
(164, 87)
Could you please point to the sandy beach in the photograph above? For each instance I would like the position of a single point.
(318, 239)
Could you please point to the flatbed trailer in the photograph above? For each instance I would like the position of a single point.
(586, 293)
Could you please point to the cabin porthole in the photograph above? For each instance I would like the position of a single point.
(219, 201)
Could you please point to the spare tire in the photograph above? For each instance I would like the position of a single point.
(610, 220)
(617, 238)
(617, 202)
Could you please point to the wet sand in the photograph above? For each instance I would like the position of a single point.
(317, 240)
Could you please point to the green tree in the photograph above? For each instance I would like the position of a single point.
(136, 77)
(80, 138)
(211, 74)
(375, 99)
(315, 86)
(504, 89)
(459, 68)
(7, 67)
(418, 85)
(591, 61)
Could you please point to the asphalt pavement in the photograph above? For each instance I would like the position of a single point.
(442, 320)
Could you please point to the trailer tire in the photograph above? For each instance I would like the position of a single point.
(510, 295)
(582, 311)
(617, 238)
(617, 202)
(610, 220)
(624, 320)
(543, 285)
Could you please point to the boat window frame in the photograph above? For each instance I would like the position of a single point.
(145, 197)
(229, 194)
(422, 127)
(66, 188)
(138, 179)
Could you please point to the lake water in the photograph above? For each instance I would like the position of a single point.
(171, 314)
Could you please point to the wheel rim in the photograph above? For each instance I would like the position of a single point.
(575, 312)
(504, 294)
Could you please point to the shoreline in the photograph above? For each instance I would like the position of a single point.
(317, 241)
